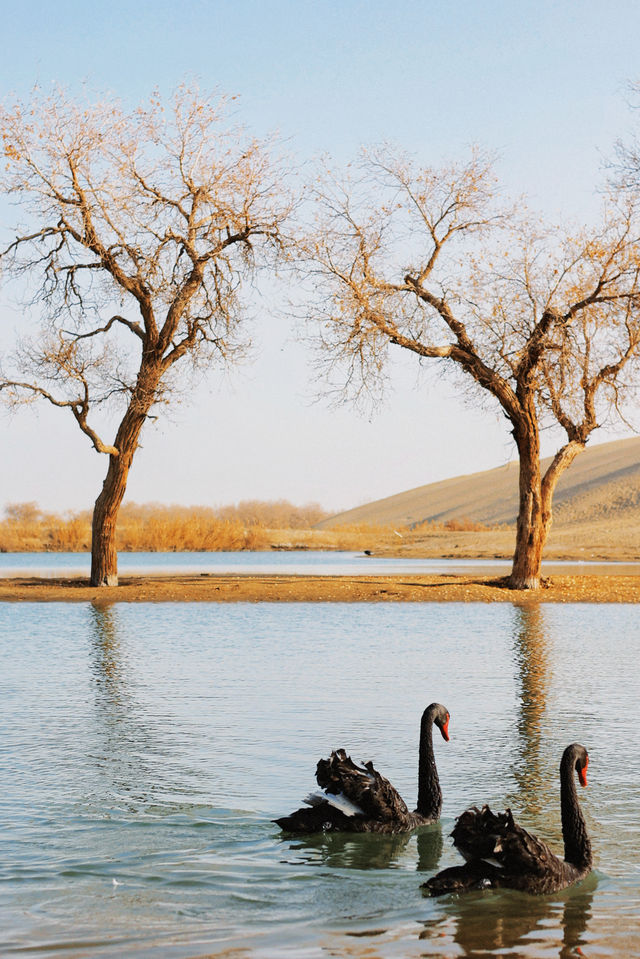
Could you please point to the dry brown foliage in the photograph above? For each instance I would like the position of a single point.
(277, 514)
(152, 527)
(26, 529)
(464, 524)
(158, 528)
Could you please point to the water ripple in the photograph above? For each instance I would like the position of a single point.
(146, 748)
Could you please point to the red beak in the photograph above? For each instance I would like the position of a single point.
(582, 773)
(444, 729)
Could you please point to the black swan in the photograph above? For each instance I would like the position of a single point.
(358, 799)
(501, 854)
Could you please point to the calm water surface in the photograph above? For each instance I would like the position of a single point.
(145, 749)
(324, 562)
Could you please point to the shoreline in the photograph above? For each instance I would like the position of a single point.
(595, 587)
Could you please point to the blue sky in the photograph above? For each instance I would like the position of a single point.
(543, 84)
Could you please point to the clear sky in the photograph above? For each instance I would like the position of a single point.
(543, 84)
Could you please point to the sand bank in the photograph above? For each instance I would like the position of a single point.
(216, 588)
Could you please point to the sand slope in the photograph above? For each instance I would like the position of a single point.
(602, 486)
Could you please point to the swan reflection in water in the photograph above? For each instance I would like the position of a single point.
(369, 850)
(511, 923)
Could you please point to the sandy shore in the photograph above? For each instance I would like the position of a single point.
(471, 588)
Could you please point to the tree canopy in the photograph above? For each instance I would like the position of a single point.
(542, 320)
(136, 234)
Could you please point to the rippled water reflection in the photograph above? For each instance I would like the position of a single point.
(147, 747)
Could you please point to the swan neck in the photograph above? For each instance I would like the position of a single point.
(577, 846)
(429, 793)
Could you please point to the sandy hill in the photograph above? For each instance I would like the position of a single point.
(602, 484)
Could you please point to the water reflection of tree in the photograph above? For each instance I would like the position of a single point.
(107, 666)
(487, 923)
(124, 741)
(532, 654)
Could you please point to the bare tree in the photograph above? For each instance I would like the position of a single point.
(138, 231)
(543, 322)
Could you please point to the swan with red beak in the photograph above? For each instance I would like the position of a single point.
(501, 854)
(357, 798)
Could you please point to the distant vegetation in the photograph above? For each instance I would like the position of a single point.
(279, 525)
(252, 524)
(465, 525)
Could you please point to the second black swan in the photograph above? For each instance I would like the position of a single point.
(358, 799)
(501, 854)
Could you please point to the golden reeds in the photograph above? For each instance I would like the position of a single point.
(251, 525)
(156, 528)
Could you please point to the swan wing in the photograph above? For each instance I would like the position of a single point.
(519, 851)
(498, 839)
(361, 785)
(338, 801)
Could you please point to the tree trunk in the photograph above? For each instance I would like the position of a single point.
(534, 513)
(531, 537)
(536, 499)
(104, 555)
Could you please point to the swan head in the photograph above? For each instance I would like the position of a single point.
(440, 716)
(578, 757)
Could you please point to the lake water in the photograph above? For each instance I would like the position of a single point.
(146, 748)
(311, 562)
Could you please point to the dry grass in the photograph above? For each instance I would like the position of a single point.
(611, 541)
(155, 528)
(465, 525)
(180, 529)
(140, 528)
(27, 529)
